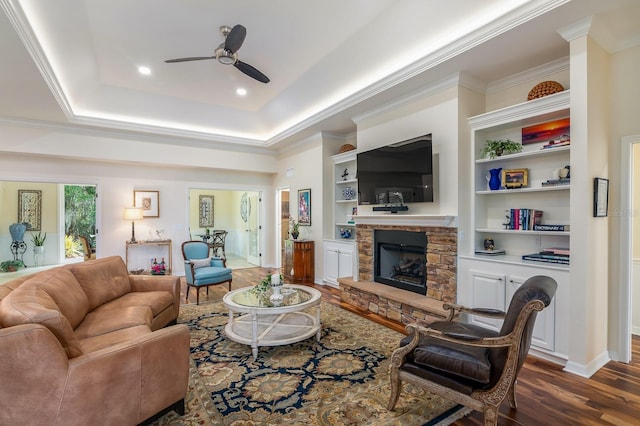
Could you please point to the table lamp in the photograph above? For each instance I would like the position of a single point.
(133, 214)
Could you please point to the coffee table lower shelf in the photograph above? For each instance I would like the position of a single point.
(272, 329)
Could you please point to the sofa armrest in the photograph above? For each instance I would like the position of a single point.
(158, 282)
(33, 368)
(139, 377)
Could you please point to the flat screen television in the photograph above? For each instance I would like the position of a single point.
(396, 174)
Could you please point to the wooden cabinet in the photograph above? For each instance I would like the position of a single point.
(299, 261)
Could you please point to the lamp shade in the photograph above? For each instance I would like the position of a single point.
(132, 213)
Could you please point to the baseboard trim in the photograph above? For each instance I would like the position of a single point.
(589, 369)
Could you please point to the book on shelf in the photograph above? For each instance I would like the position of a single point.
(553, 144)
(557, 250)
(524, 219)
(494, 252)
(546, 227)
(557, 182)
(537, 257)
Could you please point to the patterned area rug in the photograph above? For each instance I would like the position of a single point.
(341, 380)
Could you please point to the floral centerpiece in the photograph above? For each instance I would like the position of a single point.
(295, 228)
(269, 281)
(158, 268)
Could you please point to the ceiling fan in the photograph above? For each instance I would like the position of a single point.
(227, 52)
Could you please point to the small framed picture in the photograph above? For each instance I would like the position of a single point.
(148, 201)
(304, 207)
(205, 211)
(600, 197)
(515, 178)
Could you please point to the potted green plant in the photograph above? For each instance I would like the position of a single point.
(11, 265)
(38, 239)
(496, 148)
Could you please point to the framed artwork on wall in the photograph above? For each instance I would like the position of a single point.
(205, 211)
(600, 197)
(148, 201)
(29, 208)
(304, 207)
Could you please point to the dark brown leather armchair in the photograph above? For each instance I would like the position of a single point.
(466, 363)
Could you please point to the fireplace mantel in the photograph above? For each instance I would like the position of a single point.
(407, 220)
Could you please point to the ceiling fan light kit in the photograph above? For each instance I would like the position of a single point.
(226, 53)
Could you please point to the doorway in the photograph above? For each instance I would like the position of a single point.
(629, 292)
(79, 215)
(282, 222)
(238, 213)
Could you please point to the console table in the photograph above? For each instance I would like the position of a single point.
(299, 261)
(139, 253)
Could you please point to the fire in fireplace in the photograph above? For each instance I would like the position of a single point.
(400, 260)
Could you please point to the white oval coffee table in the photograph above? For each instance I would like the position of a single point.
(265, 324)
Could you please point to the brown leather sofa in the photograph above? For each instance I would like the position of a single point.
(88, 344)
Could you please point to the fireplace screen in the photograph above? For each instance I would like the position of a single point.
(400, 260)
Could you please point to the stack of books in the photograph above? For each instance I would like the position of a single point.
(556, 144)
(487, 252)
(558, 255)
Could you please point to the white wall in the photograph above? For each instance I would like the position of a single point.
(436, 114)
(116, 183)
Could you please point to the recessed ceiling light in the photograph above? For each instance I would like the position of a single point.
(144, 70)
(241, 92)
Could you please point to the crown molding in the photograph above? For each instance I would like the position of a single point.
(531, 74)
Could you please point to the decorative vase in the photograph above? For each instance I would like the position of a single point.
(38, 256)
(348, 193)
(295, 235)
(276, 296)
(17, 231)
(489, 244)
(494, 179)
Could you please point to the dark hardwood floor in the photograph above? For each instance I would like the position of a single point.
(546, 395)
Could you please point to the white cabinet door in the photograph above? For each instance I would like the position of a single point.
(487, 291)
(345, 263)
(544, 328)
(331, 264)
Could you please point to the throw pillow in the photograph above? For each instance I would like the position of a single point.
(201, 263)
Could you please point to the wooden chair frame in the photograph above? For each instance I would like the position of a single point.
(487, 401)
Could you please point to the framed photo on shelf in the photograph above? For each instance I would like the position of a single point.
(30, 208)
(205, 211)
(148, 201)
(515, 178)
(600, 197)
(304, 207)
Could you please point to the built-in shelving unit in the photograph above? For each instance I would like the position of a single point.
(346, 195)
(489, 281)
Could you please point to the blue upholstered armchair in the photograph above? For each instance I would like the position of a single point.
(201, 270)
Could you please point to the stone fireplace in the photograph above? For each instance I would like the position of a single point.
(399, 259)
(440, 269)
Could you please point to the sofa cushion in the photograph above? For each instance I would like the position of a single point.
(52, 298)
(95, 343)
(103, 280)
(102, 321)
(156, 301)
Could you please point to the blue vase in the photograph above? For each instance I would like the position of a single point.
(494, 179)
(17, 231)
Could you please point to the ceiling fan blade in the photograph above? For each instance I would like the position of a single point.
(195, 58)
(251, 72)
(235, 38)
